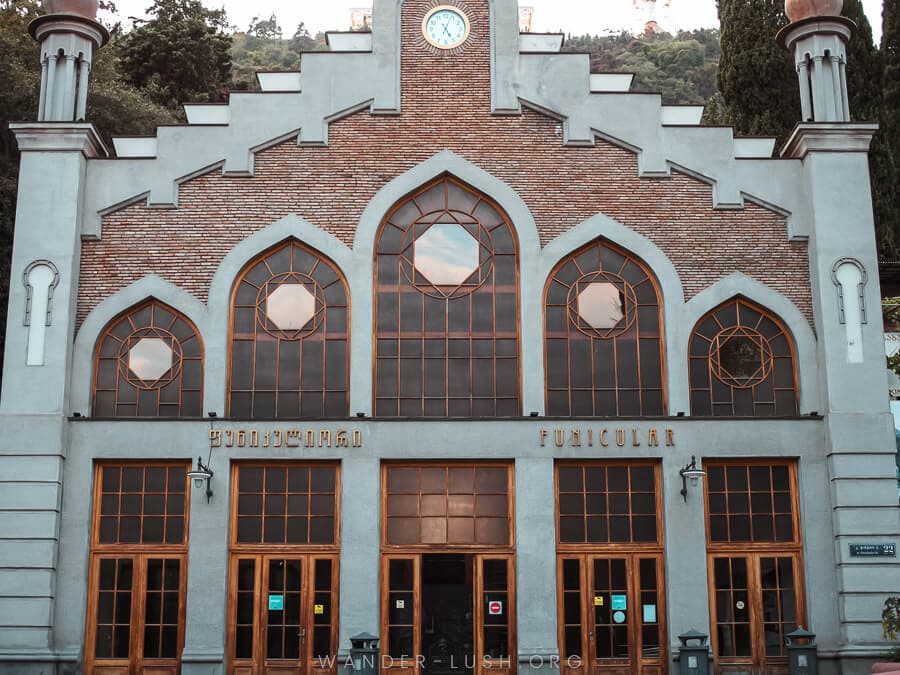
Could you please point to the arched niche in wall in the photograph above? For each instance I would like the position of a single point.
(289, 337)
(850, 278)
(604, 336)
(446, 306)
(148, 363)
(41, 278)
(742, 363)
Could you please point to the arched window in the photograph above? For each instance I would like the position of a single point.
(289, 344)
(149, 363)
(604, 346)
(742, 363)
(446, 294)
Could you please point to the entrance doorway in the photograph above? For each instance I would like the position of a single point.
(449, 614)
(448, 638)
(755, 557)
(613, 615)
(138, 572)
(610, 569)
(283, 576)
(448, 564)
(284, 614)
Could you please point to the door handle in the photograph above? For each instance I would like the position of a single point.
(301, 633)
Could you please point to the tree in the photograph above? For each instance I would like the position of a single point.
(265, 29)
(885, 169)
(681, 67)
(757, 79)
(181, 54)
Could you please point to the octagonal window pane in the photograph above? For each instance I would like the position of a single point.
(150, 358)
(290, 306)
(741, 357)
(601, 305)
(446, 254)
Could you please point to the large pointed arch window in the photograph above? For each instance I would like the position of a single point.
(604, 344)
(446, 294)
(742, 363)
(149, 363)
(289, 341)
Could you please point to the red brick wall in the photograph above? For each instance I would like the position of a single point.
(446, 105)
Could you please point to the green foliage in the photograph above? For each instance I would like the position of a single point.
(681, 67)
(756, 77)
(262, 48)
(182, 54)
(885, 168)
(890, 619)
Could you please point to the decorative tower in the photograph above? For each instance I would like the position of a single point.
(860, 446)
(69, 33)
(818, 36)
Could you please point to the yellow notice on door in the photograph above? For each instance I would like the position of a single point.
(598, 601)
(319, 609)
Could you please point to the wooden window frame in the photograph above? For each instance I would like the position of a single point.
(140, 554)
(710, 380)
(585, 553)
(449, 548)
(424, 336)
(636, 547)
(107, 335)
(321, 329)
(262, 552)
(753, 552)
(569, 328)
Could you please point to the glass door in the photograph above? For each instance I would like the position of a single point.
(755, 606)
(138, 570)
(137, 609)
(283, 614)
(612, 615)
(436, 605)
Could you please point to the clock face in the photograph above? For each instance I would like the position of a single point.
(446, 27)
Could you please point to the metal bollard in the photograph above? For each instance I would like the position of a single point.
(364, 654)
(694, 658)
(803, 656)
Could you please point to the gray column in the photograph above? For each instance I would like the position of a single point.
(859, 434)
(207, 588)
(33, 427)
(536, 563)
(687, 600)
(360, 547)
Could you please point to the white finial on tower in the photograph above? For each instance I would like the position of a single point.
(818, 35)
(68, 34)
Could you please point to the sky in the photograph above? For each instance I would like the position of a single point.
(568, 16)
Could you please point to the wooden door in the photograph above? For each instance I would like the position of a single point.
(495, 611)
(755, 603)
(612, 614)
(401, 613)
(283, 614)
(136, 611)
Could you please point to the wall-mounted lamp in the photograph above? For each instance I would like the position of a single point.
(213, 414)
(360, 414)
(200, 474)
(535, 414)
(690, 472)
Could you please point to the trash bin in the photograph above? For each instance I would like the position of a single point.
(803, 653)
(364, 654)
(694, 653)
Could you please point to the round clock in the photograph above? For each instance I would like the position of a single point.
(445, 27)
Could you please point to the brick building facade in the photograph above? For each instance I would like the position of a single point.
(482, 354)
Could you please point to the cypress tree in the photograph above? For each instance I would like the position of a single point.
(757, 78)
(885, 174)
(864, 66)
